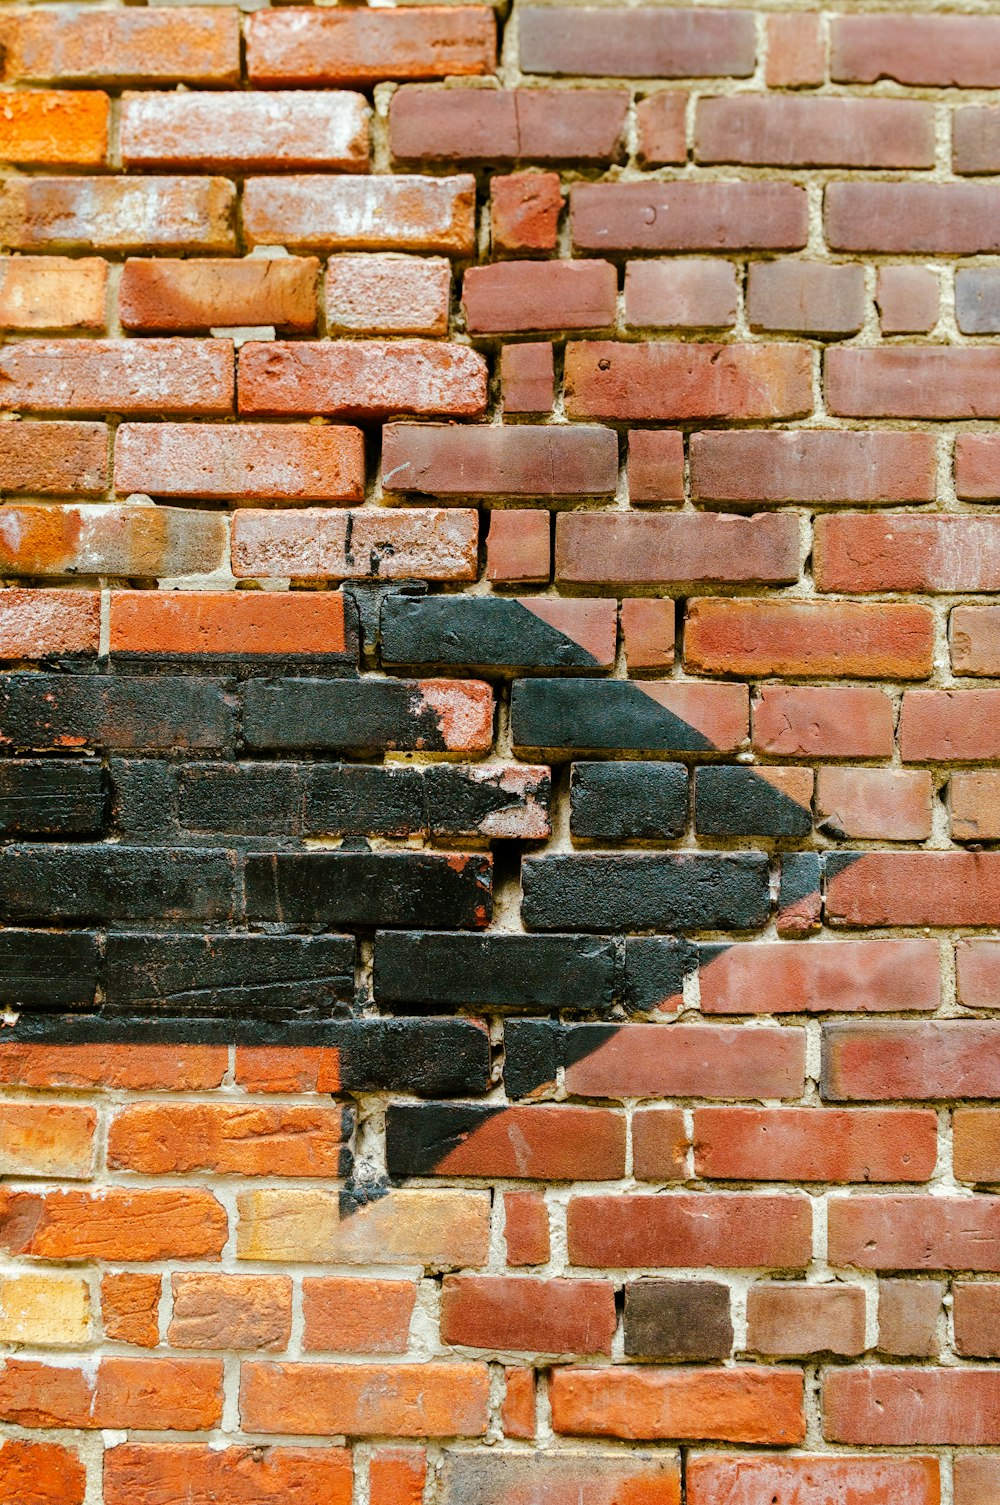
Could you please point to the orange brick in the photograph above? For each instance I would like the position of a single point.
(156, 1395)
(54, 129)
(397, 1400)
(345, 1315)
(136, 540)
(135, 46)
(165, 1138)
(153, 1473)
(815, 1144)
(40, 1473)
(891, 640)
(118, 214)
(130, 1305)
(518, 1409)
(117, 1224)
(817, 1479)
(526, 1228)
(139, 1068)
(725, 1405)
(396, 1476)
(363, 46)
(244, 623)
(166, 295)
(231, 1311)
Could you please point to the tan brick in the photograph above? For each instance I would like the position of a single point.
(440, 1228)
(44, 1311)
(52, 292)
(47, 1139)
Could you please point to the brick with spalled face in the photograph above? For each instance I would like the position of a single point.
(118, 214)
(246, 132)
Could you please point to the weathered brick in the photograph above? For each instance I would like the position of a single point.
(147, 1473)
(915, 1233)
(663, 216)
(117, 214)
(908, 299)
(246, 132)
(51, 798)
(169, 1138)
(789, 1321)
(975, 639)
(522, 1313)
(977, 472)
(855, 553)
(762, 977)
(659, 1144)
(756, 637)
(52, 292)
(876, 804)
(397, 1476)
(518, 1410)
(252, 461)
(787, 131)
(440, 124)
(47, 1139)
(79, 883)
(641, 549)
(661, 118)
(925, 49)
(653, 716)
(41, 1473)
(812, 466)
(815, 1144)
(165, 295)
(114, 1224)
(677, 1319)
(48, 623)
(837, 721)
(725, 1479)
(442, 715)
(44, 1311)
(679, 381)
(908, 1058)
(537, 1141)
(230, 1311)
(514, 296)
(524, 212)
(494, 632)
(911, 1407)
(130, 1305)
(361, 379)
(130, 376)
(643, 43)
(137, 1067)
(493, 1477)
(397, 1400)
(54, 458)
(806, 297)
(527, 377)
(726, 1405)
(386, 294)
(908, 1313)
(950, 219)
(693, 293)
(447, 460)
(427, 1057)
(362, 47)
(313, 212)
(974, 806)
(48, 713)
(796, 51)
(741, 1229)
(345, 1315)
(427, 542)
(427, 1227)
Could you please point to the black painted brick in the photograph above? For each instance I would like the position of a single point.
(82, 885)
(663, 891)
(738, 802)
(427, 970)
(488, 632)
(42, 712)
(370, 888)
(339, 715)
(589, 715)
(244, 974)
(51, 798)
(628, 801)
(41, 969)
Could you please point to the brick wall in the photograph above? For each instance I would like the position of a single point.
(500, 779)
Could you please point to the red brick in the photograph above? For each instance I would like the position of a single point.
(231, 1311)
(927, 49)
(796, 53)
(518, 1409)
(976, 1310)
(641, 43)
(837, 721)
(946, 726)
(40, 1473)
(978, 964)
(659, 216)
(443, 460)
(116, 1224)
(526, 1228)
(155, 1473)
(54, 128)
(951, 219)
(909, 1232)
(117, 214)
(976, 1142)
(908, 299)
(817, 1479)
(521, 1313)
(524, 212)
(518, 547)
(679, 381)
(680, 294)
(252, 461)
(974, 806)
(692, 1060)
(659, 1144)
(761, 977)
(364, 46)
(910, 1058)
(48, 623)
(440, 124)
(807, 297)
(140, 1068)
(315, 212)
(426, 543)
(976, 1478)
(130, 1306)
(655, 465)
(387, 294)
(912, 382)
(876, 804)
(976, 140)
(757, 637)
(132, 539)
(164, 295)
(540, 1142)
(660, 548)
(157, 1395)
(863, 552)
(787, 1321)
(245, 132)
(54, 458)
(346, 1315)
(916, 888)
(193, 46)
(662, 122)
(517, 296)
(818, 465)
(397, 1400)
(361, 378)
(911, 1407)
(908, 1313)
(975, 640)
(786, 131)
(681, 1229)
(648, 635)
(127, 376)
(977, 467)
(527, 377)
(47, 1139)
(815, 1144)
(725, 1405)
(396, 1476)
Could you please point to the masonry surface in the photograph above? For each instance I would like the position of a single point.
(500, 754)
